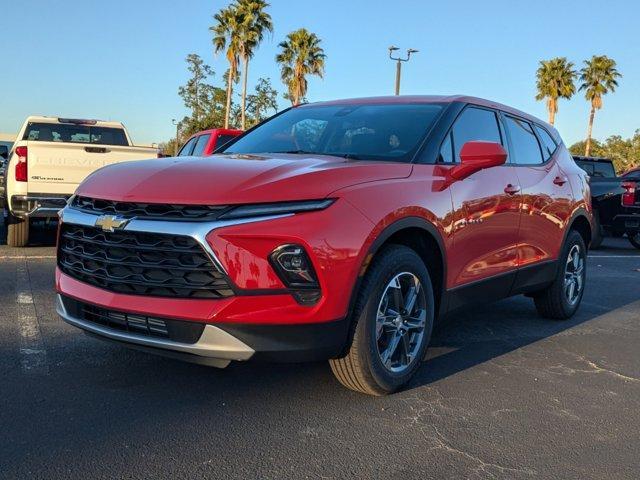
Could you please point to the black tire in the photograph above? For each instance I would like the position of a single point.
(553, 302)
(598, 236)
(634, 239)
(362, 368)
(17, 231)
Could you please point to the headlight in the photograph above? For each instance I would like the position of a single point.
(280, 208)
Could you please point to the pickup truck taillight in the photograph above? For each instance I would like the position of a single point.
(629, 194)
(21, 166)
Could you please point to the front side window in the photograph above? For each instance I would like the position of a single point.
(69, 133)
(474, 124)
(382, 132)
(201, 143)
(524, 142)
(548, 145)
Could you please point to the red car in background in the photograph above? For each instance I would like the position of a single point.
(204, 143)
(339, 230)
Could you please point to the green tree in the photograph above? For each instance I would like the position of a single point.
(597, 78)
(263, 102)
(300, 55)
(226, 37)
(195, 90)
(625, 152)
(255, 21)
(555, 80)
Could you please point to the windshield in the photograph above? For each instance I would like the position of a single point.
(391, 132)
(68, 133)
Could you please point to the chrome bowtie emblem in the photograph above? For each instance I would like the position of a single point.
(109, 223)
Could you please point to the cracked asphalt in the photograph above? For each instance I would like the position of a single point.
(504, 394)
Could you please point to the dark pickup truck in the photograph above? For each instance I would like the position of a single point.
(615, 200)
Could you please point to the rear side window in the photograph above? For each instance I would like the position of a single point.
(548, 145)
(474, 124)
(526, 149)
(201, 143)
(186, 150)
(69, 133)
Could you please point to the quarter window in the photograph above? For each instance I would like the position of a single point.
(524, 142)
(474, 124)
(548, 145)
(446, 151)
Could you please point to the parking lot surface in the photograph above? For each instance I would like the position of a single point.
(504, 394)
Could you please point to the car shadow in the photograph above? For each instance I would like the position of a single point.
(42, 233)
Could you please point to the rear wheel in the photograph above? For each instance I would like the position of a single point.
(634, 239)
(394, 316)
(562, 298)
(17, 231)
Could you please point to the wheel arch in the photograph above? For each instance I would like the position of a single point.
(580, 221)
(424, 238)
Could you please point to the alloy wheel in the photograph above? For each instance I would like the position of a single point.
(401, 321)
(574, 275)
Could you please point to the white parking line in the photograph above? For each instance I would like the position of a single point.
(32, 351)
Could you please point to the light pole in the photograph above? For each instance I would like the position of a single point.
(177, 124)
(399, 61)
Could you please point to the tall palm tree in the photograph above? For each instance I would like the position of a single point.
(555, 80)
(226, 35)
(300, 55)
(255, 21)
(597, 78)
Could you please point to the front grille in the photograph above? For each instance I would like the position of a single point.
(136, 263)
(148, 210)
(174, 330)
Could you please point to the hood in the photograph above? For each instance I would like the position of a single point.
(234, 179)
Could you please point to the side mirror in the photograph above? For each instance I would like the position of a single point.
(4, 151)
(476, 156)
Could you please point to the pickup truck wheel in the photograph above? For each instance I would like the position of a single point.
(562, 298)
(17, 231)
(596, 239)
(394, 314)
(634, 239)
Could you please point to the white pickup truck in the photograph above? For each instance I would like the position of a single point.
(48, 160)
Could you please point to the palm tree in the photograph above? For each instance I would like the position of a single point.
(300, 55)
(555, 80)
(226, 35)
(254, 23)
(597, 78)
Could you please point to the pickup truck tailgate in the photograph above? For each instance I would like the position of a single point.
(58, 168)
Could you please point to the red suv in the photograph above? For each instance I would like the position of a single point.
(339, 230)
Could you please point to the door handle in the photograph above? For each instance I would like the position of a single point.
(560, 180)
(511, 189)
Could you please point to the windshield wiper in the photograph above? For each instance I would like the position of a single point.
(348, 156)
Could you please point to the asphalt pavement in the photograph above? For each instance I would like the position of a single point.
(504, 394)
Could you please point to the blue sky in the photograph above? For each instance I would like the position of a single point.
(124, 60)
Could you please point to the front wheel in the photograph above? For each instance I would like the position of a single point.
(562, 298)
(634, 239)
(394, 316)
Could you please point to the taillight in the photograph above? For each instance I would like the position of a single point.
(629, 195)
(21, 166)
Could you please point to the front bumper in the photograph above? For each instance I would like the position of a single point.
(37, 206)
(220, 344)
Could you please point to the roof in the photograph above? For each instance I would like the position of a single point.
(406, 99)
(582, 158)
(50, 119)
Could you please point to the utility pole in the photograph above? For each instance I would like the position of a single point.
(399, 61)
(177, 124)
